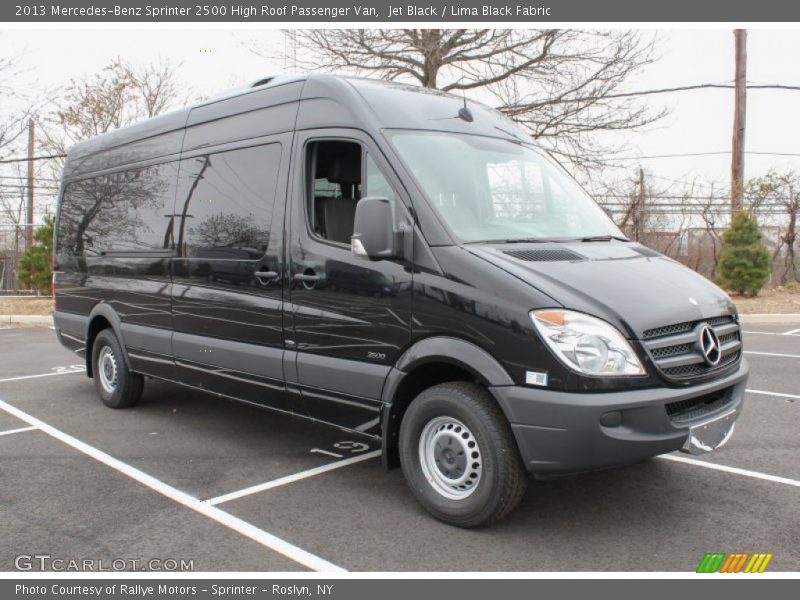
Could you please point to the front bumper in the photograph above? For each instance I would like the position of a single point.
(563, 432)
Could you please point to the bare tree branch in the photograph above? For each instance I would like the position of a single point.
(564, 86)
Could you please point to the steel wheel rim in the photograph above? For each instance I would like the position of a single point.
(450, 457)
(108, 371)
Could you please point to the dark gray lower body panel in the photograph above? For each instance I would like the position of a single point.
(71, 330)
(562, 432)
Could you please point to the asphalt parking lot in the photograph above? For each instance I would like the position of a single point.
(187, 476)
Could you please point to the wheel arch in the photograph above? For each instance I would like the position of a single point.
(101, 317)
(427, 363)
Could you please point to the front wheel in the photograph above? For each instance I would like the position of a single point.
(117, 386)
(459, 456)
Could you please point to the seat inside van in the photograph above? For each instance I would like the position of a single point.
(335, 169)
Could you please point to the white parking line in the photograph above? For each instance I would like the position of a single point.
(734, 470)
(778, 394)
(42, 375)
(20, 430)
(768, 332)
(248, 530)
(792, 332)
(261, 487)
(772, 354)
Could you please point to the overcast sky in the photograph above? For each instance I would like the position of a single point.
(700, 121)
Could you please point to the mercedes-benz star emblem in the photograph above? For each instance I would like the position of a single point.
(709, 345)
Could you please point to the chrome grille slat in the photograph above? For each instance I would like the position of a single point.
(730, 347)
(681, 360)
(676, 352)
(729, 328)
(672, 340)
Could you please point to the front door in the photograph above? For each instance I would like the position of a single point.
(350, 317)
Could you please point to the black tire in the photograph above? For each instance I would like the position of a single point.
(501, 478)
(117, 386)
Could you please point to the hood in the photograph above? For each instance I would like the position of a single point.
(624, 283)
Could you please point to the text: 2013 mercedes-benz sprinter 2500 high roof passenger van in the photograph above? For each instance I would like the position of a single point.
(395, 262)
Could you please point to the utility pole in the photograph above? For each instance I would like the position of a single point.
(638, 214)
(29, 222)
(739, 114)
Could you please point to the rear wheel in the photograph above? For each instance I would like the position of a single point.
(117, 386)
(459, 456)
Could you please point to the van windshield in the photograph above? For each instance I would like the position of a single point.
(489, 189)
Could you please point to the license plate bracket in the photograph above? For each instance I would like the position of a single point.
(710, 435)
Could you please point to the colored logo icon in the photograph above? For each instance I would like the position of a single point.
(735, 562)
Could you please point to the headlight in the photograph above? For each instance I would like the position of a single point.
(586, 344)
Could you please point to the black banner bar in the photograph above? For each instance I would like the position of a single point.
(715, 586)
(366, 12)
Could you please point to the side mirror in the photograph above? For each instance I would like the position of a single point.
(374, 236)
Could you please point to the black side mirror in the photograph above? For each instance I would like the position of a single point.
(374, 236)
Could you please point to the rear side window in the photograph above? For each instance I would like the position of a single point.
(128, 211)
(224, 203)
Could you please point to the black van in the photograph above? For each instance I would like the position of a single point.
(396, 262)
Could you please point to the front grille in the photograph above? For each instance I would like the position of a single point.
(695, 408)
(667, 330)
(671, 350)
(676, 351)
(699, 369)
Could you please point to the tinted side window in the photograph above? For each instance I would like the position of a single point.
(128, 211)
(225, 201)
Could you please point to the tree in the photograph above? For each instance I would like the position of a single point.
(744, 263)
(780, 193)
(560, 84)
(35, 267)
(229, 230)
(12, 123)
(118, 95)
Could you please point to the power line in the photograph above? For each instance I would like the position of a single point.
(32, 158)
(25, 177)
(714, 153)
(704, 86)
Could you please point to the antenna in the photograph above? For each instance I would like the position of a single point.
(464, 112)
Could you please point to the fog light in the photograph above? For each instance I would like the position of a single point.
(611, 419)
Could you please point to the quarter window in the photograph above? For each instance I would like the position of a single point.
(127, 211)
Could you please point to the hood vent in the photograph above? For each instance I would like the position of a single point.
(644, 251)
(544, 255)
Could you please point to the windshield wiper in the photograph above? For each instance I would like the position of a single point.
(603, 238)
(517, 241)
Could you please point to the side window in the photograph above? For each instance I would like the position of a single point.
(335, 187)
(128, 211)
(224, 204)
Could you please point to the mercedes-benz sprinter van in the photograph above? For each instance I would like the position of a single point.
(396, 262)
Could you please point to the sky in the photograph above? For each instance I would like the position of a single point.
(699, 121)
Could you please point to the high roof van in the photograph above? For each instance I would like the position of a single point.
(396, 262)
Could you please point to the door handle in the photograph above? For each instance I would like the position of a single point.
(264, 276)
(306, 278)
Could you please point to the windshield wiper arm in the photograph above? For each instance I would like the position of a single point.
(603, 238)
(516, 241)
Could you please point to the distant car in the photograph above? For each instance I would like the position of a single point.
(417, 271)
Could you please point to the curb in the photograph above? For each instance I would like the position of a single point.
(770, 318)
(27, 319)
